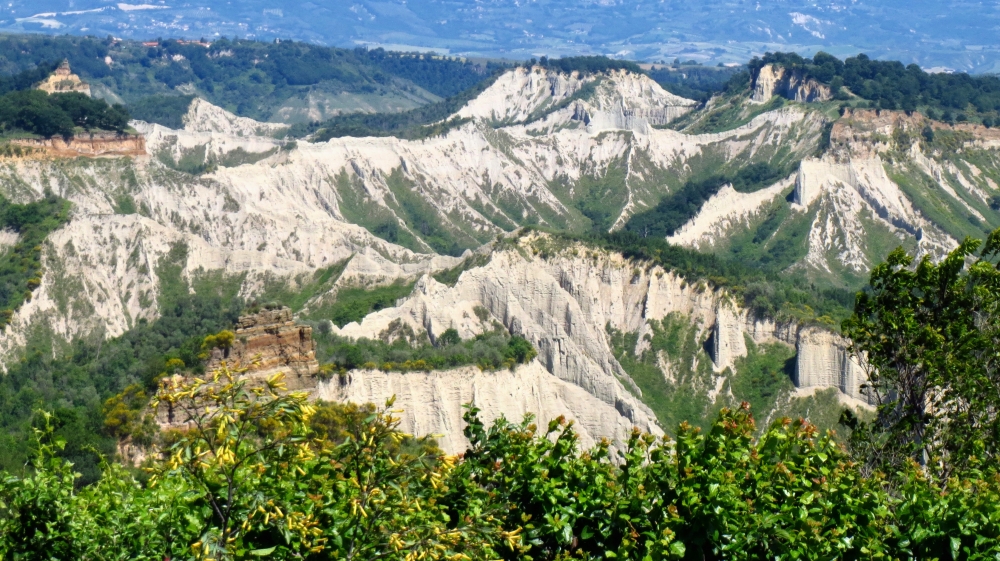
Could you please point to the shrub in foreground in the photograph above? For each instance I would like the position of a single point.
(255, 476)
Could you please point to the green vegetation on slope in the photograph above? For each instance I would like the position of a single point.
(683, 204)
(682, 393)
(21, 265)
(492, 350)
(75, 387)
(166, 110)
(353, 303)
(763, 377)
(415, 124)
(694, 81)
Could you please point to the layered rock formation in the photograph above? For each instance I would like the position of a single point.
(91, 145)
(269, 342)
(775, 80)
(562, 303)
(822, 361)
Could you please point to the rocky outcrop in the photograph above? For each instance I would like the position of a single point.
(775, 80)
(616, 100)
(64, 81)
(202, 116)
(269, 342)
(823, 361)
(538, 301)
(432, 402)
(89, 145)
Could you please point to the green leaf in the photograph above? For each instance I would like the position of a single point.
(956, 545)
(678, 549)
(263, 552)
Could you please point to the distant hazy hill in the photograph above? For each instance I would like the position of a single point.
(959, 36)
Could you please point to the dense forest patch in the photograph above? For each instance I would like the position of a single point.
(36, 112)
(694, 81)
(249, 78)
(491, 350)
(893, 85)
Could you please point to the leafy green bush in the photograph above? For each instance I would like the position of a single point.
(76, 384)
(258, 476)
(927, 334)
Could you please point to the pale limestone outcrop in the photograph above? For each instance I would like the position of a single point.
(562, 302)
(530, 301)
(8, 238)
(823, 361)
(728, 341)
(283, 216)
(620, 100)
(846, 191)
(775, 80)
(202, 116)
(517, 94)
(726, 210)
(431, 403)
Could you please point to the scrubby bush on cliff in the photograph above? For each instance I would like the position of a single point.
(77, 385)
(21, 266)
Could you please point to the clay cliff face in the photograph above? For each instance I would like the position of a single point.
(790, 84)
(562, 301)
(432, 402)
(89, 145)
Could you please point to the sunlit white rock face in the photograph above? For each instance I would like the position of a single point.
(432, 403)
(791, 84)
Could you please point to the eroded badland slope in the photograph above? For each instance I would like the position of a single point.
(226, 205)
